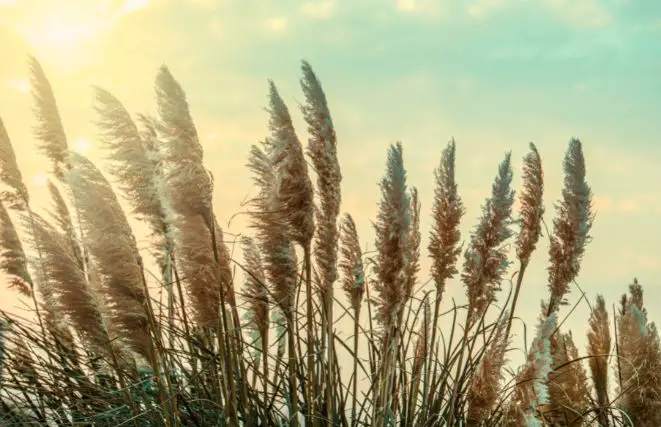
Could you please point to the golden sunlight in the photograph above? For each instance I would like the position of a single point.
(81, 146)
(40, 179)
(70, 33)
(63, 28)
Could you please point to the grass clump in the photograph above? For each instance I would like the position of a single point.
(103, 350)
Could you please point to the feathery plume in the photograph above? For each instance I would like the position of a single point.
(571, 226)
(189, 190)
(446, 215)
(49, 130)
(64, 274)
(392, 239)
(13, 261)
(256, 293)
(531, 390)
(485, 260)
(176, 122)
(322, 150)
(134, 166)
(278, 253)
(599, 347)
(189, 186)
(422, 342)
(351, 263)
(640, 350)
(484, 389)
(568, 383)
(413, 247)
(444, 248)
(532, 205)
(62, 217)
(292, 194)
(111, 242)
(16, 196)
(224, 266)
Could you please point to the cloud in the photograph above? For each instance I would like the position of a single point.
(580, 13)
(419, 7)
(482, 8)
(319, 9)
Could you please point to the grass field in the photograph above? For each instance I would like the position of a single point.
(202, 348)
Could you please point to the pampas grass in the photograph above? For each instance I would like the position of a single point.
(104, 351)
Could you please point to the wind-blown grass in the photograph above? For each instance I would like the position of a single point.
(102, 350)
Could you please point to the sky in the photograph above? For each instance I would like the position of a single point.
(493, 74)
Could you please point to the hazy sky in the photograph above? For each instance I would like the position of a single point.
(495, 74)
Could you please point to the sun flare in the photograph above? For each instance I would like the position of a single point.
(72, 33)
(62, 28)
(81, 146)
(40, 179)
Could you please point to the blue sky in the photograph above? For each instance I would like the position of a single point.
(495, 74)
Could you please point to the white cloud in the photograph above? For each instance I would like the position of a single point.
(319, 9)
(580, 13)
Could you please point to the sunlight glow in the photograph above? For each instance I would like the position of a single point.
(71, 34)
(81, 146)
(40, 179)
(20, 85)
(62, 29)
